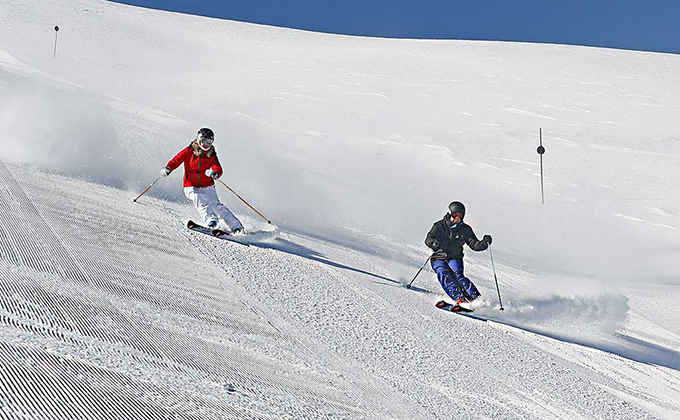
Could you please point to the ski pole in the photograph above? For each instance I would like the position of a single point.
(408, 286)
(245, 202)
(496, 278)
(147, 188)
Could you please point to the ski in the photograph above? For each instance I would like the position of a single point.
(456, 309)
(212, 232)
(446, 306)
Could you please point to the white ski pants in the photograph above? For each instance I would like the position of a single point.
(209, 207)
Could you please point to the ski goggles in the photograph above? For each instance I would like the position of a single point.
(457, 215)
(205, 142)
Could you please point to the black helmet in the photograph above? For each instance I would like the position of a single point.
(205, 138)
(457, 207)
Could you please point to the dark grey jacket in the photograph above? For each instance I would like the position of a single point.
(451, 240)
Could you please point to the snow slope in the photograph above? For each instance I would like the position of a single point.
(353, 147)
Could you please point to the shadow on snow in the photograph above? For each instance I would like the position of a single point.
(292, 248)
(622, 345)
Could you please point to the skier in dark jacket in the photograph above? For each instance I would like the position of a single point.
(446, 239)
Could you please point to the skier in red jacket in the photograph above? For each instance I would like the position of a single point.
(201, 169)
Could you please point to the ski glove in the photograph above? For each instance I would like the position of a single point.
(436, 245)
(166, 171)
(487, 239)
(210, 173)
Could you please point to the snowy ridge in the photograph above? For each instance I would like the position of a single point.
(353, 147)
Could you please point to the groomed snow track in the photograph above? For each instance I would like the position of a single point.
(107, 313)
(109, 309)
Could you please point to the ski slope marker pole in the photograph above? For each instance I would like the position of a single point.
(496, 278)
(147, 189)
(541, 151)
(56, 33)
(408, 286)
(245, 202)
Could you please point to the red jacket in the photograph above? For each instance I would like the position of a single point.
(196, 162)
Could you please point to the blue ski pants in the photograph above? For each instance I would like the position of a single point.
(453, 283)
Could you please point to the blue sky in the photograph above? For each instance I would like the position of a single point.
(651, 25)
